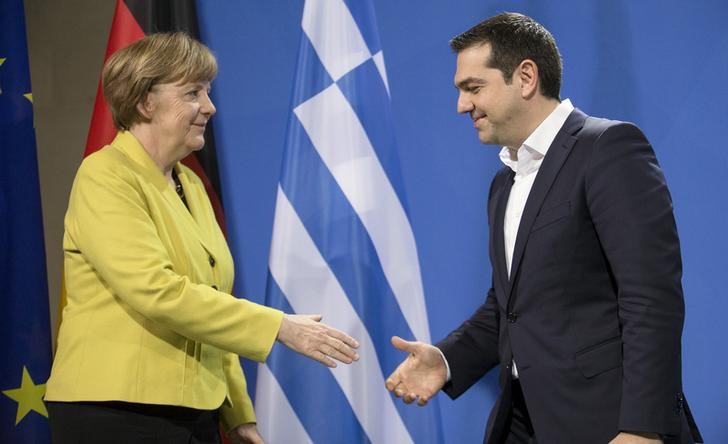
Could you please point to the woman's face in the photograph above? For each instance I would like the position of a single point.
(179, 113)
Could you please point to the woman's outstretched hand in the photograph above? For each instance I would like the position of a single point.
(305, 334)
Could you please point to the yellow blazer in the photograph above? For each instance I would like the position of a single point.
(150, 318)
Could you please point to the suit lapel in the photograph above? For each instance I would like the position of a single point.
(191, 217)
(130, 146)
(555, 157)
(198, 215)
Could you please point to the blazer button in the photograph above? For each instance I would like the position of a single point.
(679, 405)
(212, 261)
(512, 316)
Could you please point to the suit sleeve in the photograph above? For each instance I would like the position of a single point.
(109, 220)
(632, 212)
(472, 349)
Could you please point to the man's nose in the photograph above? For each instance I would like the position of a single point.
(464, 104)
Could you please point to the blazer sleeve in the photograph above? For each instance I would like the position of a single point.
(240, 410)
(110, 222)
(632, 212)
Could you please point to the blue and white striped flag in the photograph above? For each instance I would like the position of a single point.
(342, 243)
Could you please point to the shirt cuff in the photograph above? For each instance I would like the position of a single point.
(447, 366)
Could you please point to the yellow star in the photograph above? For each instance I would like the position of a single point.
(29, 397)
(28, 96)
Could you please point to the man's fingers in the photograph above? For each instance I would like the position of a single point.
(409, 398)
(390, 384)
(403, 345)
(393, 381)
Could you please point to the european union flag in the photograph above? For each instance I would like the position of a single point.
(24, 319)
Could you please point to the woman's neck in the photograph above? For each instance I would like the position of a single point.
(161, 155)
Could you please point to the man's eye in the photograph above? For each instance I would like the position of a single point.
(193, 93)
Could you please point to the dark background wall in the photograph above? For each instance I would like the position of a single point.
(66, 42)
(659, 63)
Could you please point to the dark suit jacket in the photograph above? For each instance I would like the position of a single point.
(593, 311)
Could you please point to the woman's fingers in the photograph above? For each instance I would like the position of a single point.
(306, 335)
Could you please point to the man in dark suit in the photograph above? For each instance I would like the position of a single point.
(586, 310)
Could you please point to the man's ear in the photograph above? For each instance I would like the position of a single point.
(527, 75)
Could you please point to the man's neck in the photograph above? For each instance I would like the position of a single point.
(539, 110)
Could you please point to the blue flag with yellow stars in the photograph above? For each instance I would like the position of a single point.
(24, 317)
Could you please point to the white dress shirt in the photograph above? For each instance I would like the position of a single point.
(526, 163)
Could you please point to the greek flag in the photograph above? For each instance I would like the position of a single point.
(342, 244)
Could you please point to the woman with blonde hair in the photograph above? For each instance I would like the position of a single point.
(149, 343)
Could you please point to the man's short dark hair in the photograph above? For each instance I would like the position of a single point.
(514, 38)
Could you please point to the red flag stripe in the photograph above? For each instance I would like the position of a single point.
(124, 30)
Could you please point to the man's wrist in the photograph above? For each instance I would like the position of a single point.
(447, 366)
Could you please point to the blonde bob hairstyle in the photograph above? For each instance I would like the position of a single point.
(131, 72)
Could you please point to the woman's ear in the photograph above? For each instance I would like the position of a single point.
(146, 105)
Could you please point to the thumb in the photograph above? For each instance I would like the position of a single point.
(401, 344)
(316, 318)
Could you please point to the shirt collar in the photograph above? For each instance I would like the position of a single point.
(537, 144)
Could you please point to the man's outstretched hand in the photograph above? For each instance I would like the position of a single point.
(420, 376)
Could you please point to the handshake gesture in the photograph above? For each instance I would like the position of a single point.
(418, 378)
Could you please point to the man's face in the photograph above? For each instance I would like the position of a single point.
(494, 105)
